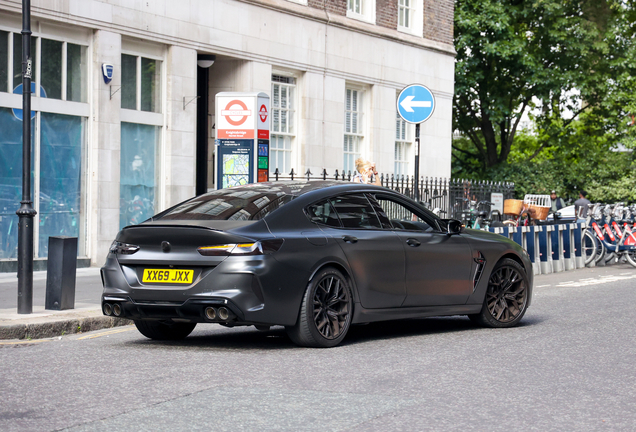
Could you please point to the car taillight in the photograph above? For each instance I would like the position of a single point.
(257, 248)
(123, 248)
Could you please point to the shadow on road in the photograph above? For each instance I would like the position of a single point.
(248, 338)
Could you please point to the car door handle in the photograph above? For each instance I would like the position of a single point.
(350, 239)
(413, 242)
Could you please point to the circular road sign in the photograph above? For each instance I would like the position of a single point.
(18, 90)
(416, 103)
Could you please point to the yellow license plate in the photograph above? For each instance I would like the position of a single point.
(167, 276)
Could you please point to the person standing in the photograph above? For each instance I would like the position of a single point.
(557, 202)
(581, 205)
(365, 170)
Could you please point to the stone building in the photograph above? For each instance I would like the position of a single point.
(106, 155)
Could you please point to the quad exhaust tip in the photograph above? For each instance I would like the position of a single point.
(210, 313)
(108, 309)
(224, 314)
(213, 314)
(117, 309)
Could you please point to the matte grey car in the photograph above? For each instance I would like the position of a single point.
(315, 257)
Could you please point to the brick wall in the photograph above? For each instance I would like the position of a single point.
(386, 12)
(438, 20)
(438, 16)
(338, 7)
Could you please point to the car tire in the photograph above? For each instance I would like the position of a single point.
(325, 313)
(506, 298)
(164, 331)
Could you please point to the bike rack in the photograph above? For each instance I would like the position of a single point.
(552, 248)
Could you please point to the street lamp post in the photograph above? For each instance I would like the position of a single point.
(26, 212)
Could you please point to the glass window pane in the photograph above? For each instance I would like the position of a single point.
(283, 97)
(283, 121)
(4, 61)
(52, 68)
(62, 144)
(17, 59)
(11, 179)
(137, 173)
(276, 98)
(128, 81)
(150, 85)
(76, 77)
(276, 121)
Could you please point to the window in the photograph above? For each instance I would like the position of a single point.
(138, 172)
(353, 128)
(402, 147)
(323, 213)
(283, 124)
(140, 83)
(361, 9)
(355, 211)
(411, 17)
(141, 132)
(59, 72)
(405, 218)
(63, 73)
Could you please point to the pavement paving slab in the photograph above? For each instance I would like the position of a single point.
(44, 323)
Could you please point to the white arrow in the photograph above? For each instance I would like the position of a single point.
(408, 104)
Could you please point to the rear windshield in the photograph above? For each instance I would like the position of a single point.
(230, 204)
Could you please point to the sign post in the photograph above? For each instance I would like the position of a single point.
(415, 104)
(242, 141)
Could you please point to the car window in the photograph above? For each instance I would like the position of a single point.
(405, 217)
(323, 213)
(355, 211)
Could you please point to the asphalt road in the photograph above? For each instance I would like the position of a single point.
(570, 366)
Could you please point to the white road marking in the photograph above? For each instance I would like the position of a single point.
(600, 280)
(542, 286)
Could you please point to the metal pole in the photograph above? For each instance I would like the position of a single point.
(417, 161)
(26, 213)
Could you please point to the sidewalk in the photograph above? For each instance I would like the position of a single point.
(86, 316)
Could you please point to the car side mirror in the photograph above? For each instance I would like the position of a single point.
(453, 226)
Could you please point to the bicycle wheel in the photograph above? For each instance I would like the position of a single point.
(588, 247)
(631, 257)
(600, 251)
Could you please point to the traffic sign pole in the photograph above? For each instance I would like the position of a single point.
(415, 104)
(417, 162)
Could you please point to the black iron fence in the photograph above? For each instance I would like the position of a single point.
(451, 196)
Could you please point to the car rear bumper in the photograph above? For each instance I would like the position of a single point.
(248, 288)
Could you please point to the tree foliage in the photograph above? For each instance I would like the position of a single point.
(570, 64)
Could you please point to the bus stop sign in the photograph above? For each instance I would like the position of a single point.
(415, 104)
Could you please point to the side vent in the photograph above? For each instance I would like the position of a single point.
(481, 263)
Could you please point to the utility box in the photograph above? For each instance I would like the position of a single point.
(60, 273)
(242, 138)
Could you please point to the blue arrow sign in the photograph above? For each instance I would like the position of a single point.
(416, 103)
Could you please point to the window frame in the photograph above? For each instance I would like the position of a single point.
(416, 26)
(291, 119)
(63, 106)
(366, 13)
(356, 138)
(403, 138)
(429, 218)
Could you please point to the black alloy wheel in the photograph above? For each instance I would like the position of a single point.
(326, 311)
(506, 297)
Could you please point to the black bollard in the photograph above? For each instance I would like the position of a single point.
(60, 273)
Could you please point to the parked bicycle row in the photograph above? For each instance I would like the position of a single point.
(609, 234)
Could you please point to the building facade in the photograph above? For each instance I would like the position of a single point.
(106, 155)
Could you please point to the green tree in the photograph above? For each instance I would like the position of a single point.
(564, 57)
